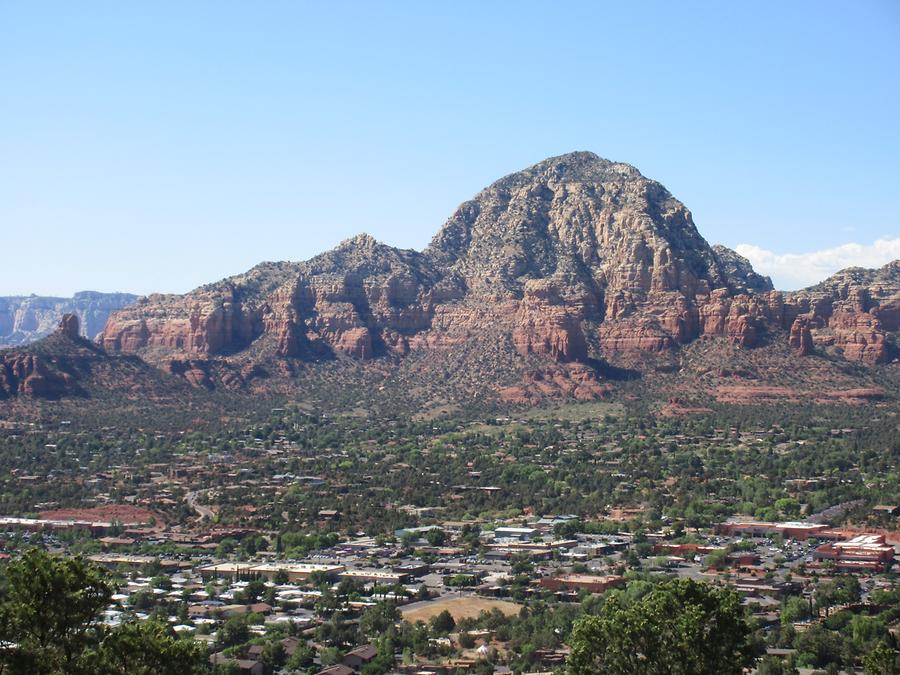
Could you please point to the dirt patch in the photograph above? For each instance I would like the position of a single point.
(437, 411)
(459, 608)
(564, 381)
(676, 409)
(122, 513)
(752, 395)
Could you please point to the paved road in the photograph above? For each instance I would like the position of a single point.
(191, 499)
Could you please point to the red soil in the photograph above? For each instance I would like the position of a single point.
(123, 513)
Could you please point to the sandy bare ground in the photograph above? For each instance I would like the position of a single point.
(459, 608)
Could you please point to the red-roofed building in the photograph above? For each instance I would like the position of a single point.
(790, 530)
(863, 552)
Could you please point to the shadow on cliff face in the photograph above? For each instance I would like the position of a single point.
(610, 372)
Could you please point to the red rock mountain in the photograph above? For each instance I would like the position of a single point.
(64, 365)
(856, 311)
(44, 372)
(542, 282)
(572, 259)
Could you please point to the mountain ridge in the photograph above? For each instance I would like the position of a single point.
(547, 280)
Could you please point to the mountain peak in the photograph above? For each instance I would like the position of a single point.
(575, 215)
(575, 159)
(739, 271)
(573, 259)
(361, 240)
(578, 166)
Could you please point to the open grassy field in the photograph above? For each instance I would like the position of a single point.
(575, 412)
(459, 608)
(568, 412)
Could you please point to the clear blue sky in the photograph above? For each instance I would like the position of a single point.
(156, 146)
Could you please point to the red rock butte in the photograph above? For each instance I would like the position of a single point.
(573, 262)
(574, 257)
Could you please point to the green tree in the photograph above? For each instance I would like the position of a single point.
(234, 632)
(379, 619)
(795, 609)
(383, 662)
(51, 610)
(150, 649)
(772, 665)
(867, 629)
(301, 659)
(162, 581)
(254, 590)
(435, 537)
(443, 623)
(717, 559)
(330, 656)
(679, 627)
(142, 600)
(883, 660)
(841, 590)
(788, 507)
(818, 647)
(273, 657)
(50, 622)
(226, 546)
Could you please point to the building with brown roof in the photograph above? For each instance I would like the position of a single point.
(587, 582)
(359, 657)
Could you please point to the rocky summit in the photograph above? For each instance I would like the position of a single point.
(551, 279)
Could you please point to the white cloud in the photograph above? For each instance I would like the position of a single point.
(790, 271)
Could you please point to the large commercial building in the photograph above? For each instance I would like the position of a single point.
(295, 571)
(587, 582)
(868, 552)
(791, 530)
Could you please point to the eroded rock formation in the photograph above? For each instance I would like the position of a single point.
(801, 338)
(41, 375)
(572, 259)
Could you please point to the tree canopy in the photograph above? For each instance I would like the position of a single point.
(679, 627)
(50, 623)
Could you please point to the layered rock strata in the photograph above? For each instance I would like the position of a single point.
(573, 259)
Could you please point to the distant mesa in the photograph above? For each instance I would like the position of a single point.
(24, 319)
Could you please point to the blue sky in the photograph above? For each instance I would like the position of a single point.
(156, 146)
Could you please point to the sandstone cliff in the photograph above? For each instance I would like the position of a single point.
(855, 312)
(574, 260)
